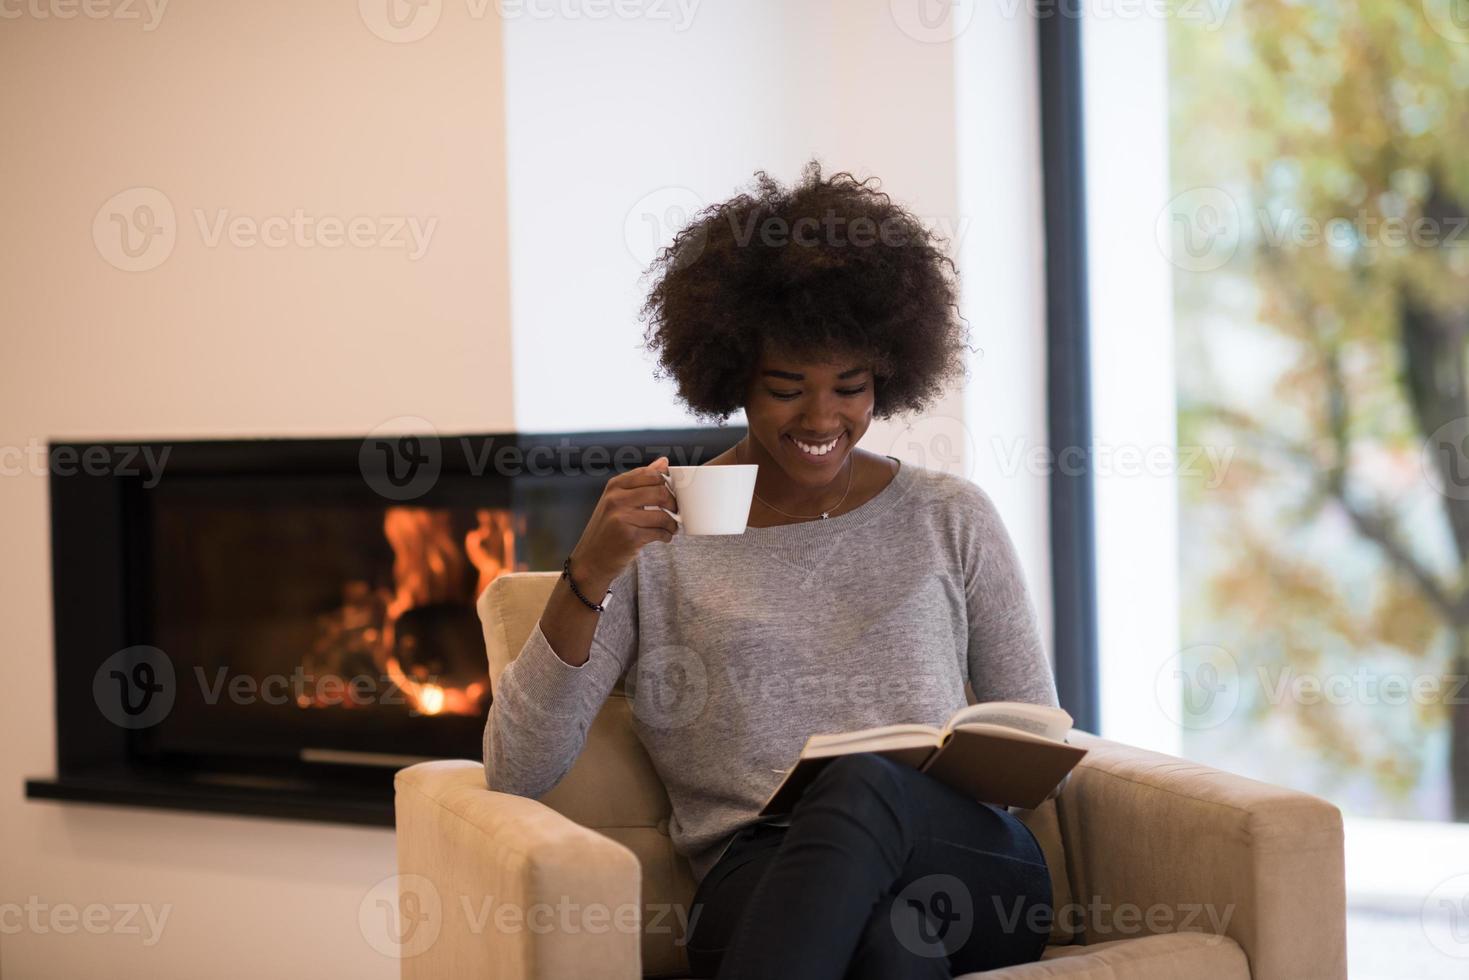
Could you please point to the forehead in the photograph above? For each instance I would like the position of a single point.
(813, 365)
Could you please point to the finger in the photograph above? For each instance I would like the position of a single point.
(643, 496)
(657, 534)
(649, 475)
(652, 519)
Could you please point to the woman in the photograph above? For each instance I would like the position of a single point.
(864, 592)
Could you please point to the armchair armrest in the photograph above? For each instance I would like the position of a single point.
(1261, 864)
(520, 890)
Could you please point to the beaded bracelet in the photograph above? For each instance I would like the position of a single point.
(566, 574)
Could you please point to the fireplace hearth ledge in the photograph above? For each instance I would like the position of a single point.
(366, 800)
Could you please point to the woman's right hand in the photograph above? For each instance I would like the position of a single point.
(623, 522)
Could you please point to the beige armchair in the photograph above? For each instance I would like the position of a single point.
(1161, 868)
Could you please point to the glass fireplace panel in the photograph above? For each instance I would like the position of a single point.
(310, 613)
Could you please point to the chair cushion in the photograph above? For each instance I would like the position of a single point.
(1046, 825)
(1175, 956)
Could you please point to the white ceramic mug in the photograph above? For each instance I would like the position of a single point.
(711, 499)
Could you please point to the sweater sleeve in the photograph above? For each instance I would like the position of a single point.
(1007, 661)
(542, 706)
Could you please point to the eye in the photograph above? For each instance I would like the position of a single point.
(786, 396)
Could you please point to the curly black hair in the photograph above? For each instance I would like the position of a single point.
(828, 267)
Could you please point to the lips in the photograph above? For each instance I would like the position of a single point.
(814, 458)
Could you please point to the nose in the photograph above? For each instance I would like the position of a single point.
(823, 416)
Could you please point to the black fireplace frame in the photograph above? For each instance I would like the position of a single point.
(98, 592)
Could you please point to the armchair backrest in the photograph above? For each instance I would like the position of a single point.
(612, 787)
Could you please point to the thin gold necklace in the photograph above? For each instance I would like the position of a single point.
(851, 472)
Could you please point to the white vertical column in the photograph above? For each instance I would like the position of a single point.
(1002, 258)
(1133, 397)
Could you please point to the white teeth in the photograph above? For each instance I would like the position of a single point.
(817, 450)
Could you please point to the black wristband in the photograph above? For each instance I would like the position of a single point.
(566, 574)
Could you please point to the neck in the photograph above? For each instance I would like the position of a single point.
(775, 489)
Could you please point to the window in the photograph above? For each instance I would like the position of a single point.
(1279, 291)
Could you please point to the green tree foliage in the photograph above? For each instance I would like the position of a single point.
(1339, 129)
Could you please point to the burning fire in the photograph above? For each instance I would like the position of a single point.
(410, 630)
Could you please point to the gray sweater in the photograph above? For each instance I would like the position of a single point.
(738, 647)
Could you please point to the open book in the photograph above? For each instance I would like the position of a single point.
(1001, 752)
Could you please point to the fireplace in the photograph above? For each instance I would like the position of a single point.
(274, 627)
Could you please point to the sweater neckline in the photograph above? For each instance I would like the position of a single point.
(819, 529)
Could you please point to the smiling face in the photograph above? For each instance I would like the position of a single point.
(805, 416)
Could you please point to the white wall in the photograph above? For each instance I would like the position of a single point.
(264, 108)
(258, 108)
(617, 130)
(617, 133)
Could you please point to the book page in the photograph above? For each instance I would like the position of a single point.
(1035, 719)
(871, 740)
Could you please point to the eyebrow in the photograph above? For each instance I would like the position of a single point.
(792, 376)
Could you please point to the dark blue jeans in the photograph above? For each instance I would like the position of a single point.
(884, 872)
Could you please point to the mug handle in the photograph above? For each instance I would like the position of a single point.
(669, 481)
